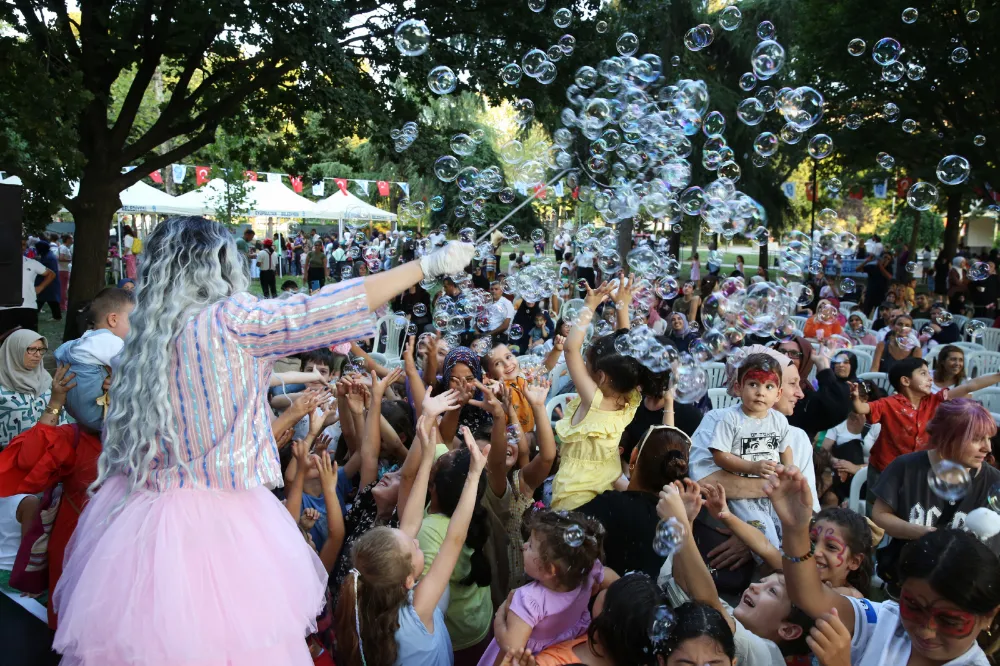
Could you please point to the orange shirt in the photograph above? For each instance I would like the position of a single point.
(519, 400)
(560, 653)
(812, 326)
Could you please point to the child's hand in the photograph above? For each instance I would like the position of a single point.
(478, 457)
(518, 657)
(379, 386)
(307, 401)
(301, 452)
(356, 398)
(671, 505)
(285, 437)
(308, 519)
(626, 289)
(764, 467)
(537, 391)
(435, 406)
(597, 296)
(411, 344)
(559, 343)
(489, 403)
(424, 434)
(715, 500)
(789, 494)
(691, 497)
(321, 443)
(327, 471)
(830, 641)
(855, 393)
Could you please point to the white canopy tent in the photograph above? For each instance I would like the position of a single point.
(345, 206)
(263, 200)
(143, 198)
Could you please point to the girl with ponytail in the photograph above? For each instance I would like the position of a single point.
(182, 543)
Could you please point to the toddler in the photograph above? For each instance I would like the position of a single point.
(751, 438)
(540, 332)
(90, 357)
(562, 555)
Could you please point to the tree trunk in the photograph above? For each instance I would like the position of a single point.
(915, 233)
(624, 242)
(93, 210)
(761, 261)
(953, 225)
(675, 244)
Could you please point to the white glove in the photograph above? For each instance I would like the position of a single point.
(448, 260)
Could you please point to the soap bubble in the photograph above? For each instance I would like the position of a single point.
(943, 318)
(524, 111)
(441, 80)
(533, 62)
(573, 536)
(972, 15)
(663, 622)
(820, 146)
(765, 144)
(511, 73)
(765, 30)
(948, 480)
(953, 170)
(562, 17)
(833, 185)
(909, 126)
(515, 332)
(974, 328)
(747, 81)
(536, 5)
(730, 18)
(698, 37)
(979, 271)
(886, 161)
(627, 43)
(979, 140)
(911, 267)
(412, 37)
(960, 55)
(750, 111)
(856, 47)
(669, 537)
(848, 286)
(419, 309)
(853, 121)
(922, 195)
(446, 168)
(910, 15)
(767, 59)
(437, 202)
(601, 27)
(886, 51)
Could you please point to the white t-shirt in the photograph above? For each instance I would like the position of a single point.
(127, 245)
(802, 457)
(700, 460)
(585, 259)
(10, 530)
(97, 347)
(841, 435)
(31, 268)
(879, 637)
(507, 307)
(750, 438)
(559, 242)
(751, 649)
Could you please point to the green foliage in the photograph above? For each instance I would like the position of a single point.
(930, 232)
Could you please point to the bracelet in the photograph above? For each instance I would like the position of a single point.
(804, 558)
(54, 411)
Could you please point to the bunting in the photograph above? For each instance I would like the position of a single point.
(857, 192)
(383, 188)
(810, 192)
(788, 189)
(178, 171)
(250, 175)
(364, 186)
(576, 193)
(879, 188)
(342, 184)
(405, 187)
(201, 174)
(156, 177)
(559, 189)
(296, 183)
(903, 186)
(318, 188)
(274, 177)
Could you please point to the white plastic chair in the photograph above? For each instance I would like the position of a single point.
(990, 397)
(931, 355)
(982, 363)
(558, 401)
(800, 322)
(865, 359)
(919, 323)
(721, 399)
(379, 358)
(716, 374)
(991, 339)
(845, 307)
(868, 349)
(389, 333)
(559, 375)
(855, 500)
(996, 416)
(970, 347)
(880, 379)
(959, 321)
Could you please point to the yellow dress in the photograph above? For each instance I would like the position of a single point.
(589, 462)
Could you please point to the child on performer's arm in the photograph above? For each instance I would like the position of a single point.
(383, 615)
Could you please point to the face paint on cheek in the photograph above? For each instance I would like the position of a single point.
(841, 546)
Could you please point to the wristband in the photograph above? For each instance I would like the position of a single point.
(54, 411)
(804, 558)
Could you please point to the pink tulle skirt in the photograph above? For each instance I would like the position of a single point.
(187, 577)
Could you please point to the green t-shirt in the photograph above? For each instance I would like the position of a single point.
(243, 247)
(470, 610)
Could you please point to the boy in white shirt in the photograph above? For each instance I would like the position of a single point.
(752, 438)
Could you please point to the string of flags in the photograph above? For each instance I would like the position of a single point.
(203, 174)
(879, 190)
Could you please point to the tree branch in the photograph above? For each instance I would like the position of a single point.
(200, 140)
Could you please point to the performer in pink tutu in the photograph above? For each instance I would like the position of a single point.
(183, 556)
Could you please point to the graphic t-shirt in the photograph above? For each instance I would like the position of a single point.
(750, 438)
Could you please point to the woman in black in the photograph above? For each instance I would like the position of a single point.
(406, 302)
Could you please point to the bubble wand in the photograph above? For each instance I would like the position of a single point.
(486, 234)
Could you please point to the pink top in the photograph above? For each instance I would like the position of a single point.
(219, 373)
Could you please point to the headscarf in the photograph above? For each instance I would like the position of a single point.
(853, 361)
(125, 281)
(806, 364)
(733, 364)
(471, 416)
(14, 376)
(670, 329)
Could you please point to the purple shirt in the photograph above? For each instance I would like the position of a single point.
(219, 373)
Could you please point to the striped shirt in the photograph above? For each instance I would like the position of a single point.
(219, 375)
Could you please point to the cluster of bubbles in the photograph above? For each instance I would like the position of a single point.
(403, 138)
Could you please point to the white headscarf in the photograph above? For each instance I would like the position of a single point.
(14, 376)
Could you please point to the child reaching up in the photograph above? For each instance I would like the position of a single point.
(751, 438)
(503, 366)
(843, 540)
(593, 424)
(388, 613)
(563, 557)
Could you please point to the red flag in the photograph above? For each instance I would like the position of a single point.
(857, 192)
(540, 191)
(342, 184)
(903, 186)
(810, 195)
(156, 177)
(250, 175)
(201, 174)
(383, 188)
(576, 192)
(296, 183)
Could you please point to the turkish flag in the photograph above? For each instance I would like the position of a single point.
(342, 184)
(576, 192)
(810, 194)
(296, 183)
(201, 174)
(903, 186)
(540, 191)
(156, 177)
(383, 188)
(250, 175)
(857, 192)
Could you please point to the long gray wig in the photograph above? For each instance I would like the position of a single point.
(188, 264)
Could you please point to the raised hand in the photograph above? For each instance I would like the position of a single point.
(321, 443)
(380, 385)
(830, 640)
(308, 519)
(559, 343)
(62, 383)
(537, 391)
(478, 457)
(790, 496)
(715, 499)
(301, 452)
(691, 497)
(448, 260)
(327, 471)
(285, 437)
(597, 296)
(670, 504)
(435, 406)
(489, 403)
